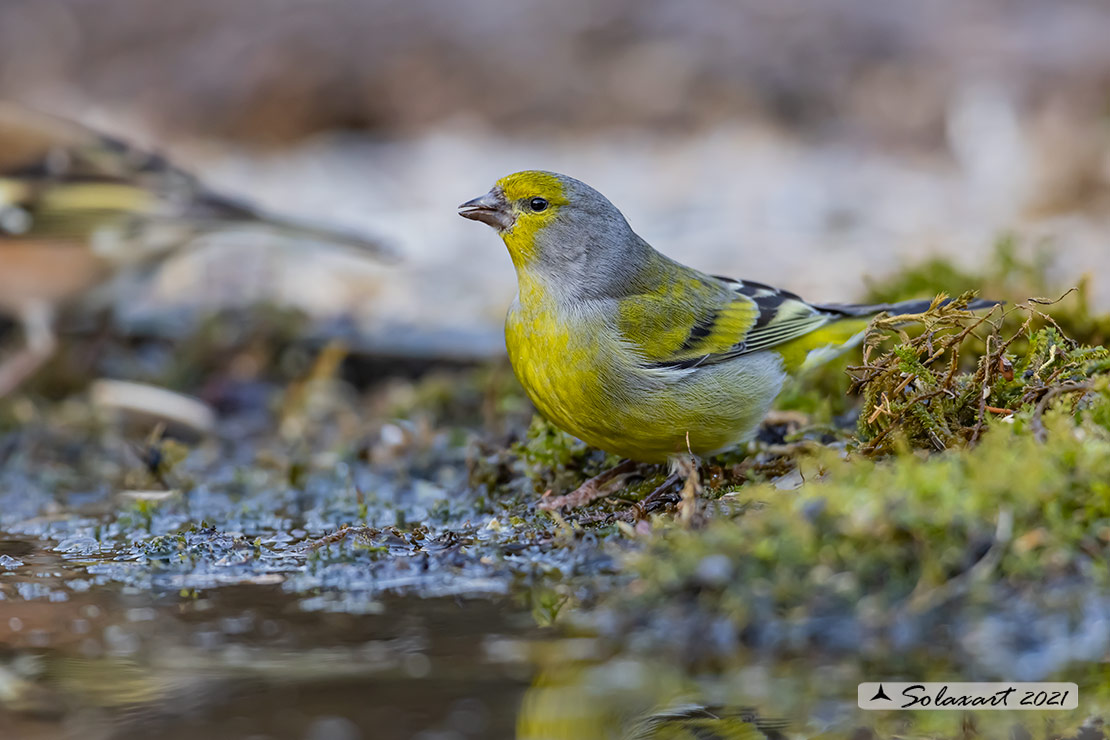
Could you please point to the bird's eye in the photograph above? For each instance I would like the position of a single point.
(538, 204)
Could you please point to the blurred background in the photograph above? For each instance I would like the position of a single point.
(809, 146)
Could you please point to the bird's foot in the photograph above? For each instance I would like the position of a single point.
(684, 470)
(40, 343)
(689, 508)
(19, 367)
(660, 497)
(597, 487)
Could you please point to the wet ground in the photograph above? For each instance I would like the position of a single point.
(314, 572)
(154, 585)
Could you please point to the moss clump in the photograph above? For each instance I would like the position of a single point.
(1014, 273)
(915, 395)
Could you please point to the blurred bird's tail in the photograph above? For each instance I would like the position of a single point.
(220, 213)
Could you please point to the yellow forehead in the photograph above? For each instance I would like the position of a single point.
(533, 184)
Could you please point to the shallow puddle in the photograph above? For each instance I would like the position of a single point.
(109, 661)
(247, 661)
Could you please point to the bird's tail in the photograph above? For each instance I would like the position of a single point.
(218, 213)
(902, 307)
(849, 327)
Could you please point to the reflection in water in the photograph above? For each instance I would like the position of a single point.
(246, 662)
(627, 699)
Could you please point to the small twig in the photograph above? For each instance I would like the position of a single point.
(337, 536)
(920, 600)
(687, 468)
(902, 386)
(880, 408)
(1037, 423)
(646, 506)
(984, 392)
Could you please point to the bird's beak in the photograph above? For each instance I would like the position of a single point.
(491, 208)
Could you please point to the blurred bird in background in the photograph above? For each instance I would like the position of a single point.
(78, 207)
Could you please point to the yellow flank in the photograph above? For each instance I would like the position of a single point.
(821, 344)
(12, 192)
(518, 189)
(657, 335)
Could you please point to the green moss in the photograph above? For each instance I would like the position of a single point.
(555, 461)
(915, 394)
(942, 404)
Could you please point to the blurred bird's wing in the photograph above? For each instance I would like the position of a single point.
(60, 179)
(41, 146)
(696, 722)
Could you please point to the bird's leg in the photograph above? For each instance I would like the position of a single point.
(39, 345)
(684, 469)
(597, 487)
(686, 466)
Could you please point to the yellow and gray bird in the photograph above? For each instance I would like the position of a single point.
(633, 352)
(629, 699)
(76, 207)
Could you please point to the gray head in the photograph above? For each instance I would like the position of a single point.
(562, 231)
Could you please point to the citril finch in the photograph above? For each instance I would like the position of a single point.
(633, 352)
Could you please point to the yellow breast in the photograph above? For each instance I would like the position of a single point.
(557, 366)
